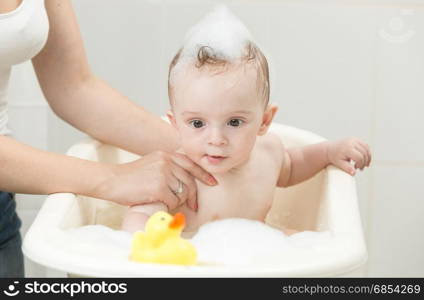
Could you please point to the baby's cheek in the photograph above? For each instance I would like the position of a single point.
(245, 145)
(193, 151)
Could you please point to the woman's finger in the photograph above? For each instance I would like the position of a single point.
(189, 187)
(167, 197)
(194, 169)
(165, 190)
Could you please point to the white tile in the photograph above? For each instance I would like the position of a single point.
(324, 61)
(124, 48)
(27, 217)
(29, 125)
(400, 85)
(29, 202)
(396, 244)
(61, 136)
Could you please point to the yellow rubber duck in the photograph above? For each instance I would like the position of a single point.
(161, 242)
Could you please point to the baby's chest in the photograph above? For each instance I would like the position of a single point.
(241, 200)
(247, 196)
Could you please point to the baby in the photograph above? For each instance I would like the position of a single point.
(219, 96)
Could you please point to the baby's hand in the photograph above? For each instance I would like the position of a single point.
(340, 153)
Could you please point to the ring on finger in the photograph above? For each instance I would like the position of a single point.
(180, 188)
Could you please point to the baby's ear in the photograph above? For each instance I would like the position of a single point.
(171, 118)
(267, 118)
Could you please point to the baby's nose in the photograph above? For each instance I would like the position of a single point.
(217, 138)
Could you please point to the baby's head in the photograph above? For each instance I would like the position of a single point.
(219, 92)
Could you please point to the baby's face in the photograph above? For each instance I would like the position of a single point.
(218, 116)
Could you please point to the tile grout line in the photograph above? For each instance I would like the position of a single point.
(27, 104)
(398, 163)
(371, 193)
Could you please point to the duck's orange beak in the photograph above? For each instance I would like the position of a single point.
(178, 221)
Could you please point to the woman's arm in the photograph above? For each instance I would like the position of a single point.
(153, 178)
(85, 101)
(24, 169)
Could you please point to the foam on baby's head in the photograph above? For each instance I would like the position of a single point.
(220, 40)
(221, 31)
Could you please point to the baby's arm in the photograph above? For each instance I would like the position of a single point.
(302, 163)
(137, 215)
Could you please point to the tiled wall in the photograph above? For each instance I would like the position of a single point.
(338, 70)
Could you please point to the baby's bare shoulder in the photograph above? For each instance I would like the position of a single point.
(271, 142)
(271, 146)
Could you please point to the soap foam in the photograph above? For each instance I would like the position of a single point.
(243, 242)
(99, 241)
(221, 31)
(222, 242)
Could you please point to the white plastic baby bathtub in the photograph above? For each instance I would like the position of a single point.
(326, 202)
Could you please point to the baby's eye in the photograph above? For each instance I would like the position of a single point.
(235, 122)
(197, 123)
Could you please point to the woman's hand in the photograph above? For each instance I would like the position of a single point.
(340, 153)
(152, 178)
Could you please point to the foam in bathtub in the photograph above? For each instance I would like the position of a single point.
(223, 242)
(98, 241)
(245, 242)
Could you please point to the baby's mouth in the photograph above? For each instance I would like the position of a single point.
(215, 159)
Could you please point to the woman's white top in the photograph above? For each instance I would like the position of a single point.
(23, 33)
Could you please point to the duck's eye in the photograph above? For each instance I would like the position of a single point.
(162, 219)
